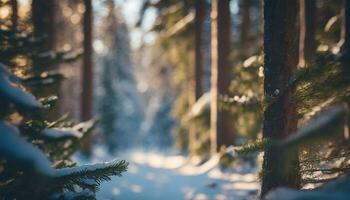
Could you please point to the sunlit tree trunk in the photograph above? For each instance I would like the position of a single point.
(220, 125)
(308, 20)
(87, 76)
(280, 118)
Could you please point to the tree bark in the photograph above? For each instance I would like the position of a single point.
(246, 21)
(280, 118)
(87, 79)
(200, 9)
(346, 46)
(308, 43)
(220, 125)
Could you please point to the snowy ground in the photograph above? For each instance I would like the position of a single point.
(153, 176)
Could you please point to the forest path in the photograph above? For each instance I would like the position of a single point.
(153, 176)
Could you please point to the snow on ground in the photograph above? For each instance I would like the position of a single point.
(156, 176)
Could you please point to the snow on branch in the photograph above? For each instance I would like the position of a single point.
(21, 153)
(12, 93)
(61, 133)
(87, 176)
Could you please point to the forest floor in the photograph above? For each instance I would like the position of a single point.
(157, 176)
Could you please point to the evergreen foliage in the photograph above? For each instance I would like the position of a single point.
(35, 153)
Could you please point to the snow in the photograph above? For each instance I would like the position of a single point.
(289, 194)
(24, 154)
(83, 127)
(154, 175)
(201, 106)
(7, 73)
(85, 168)
(74, 195)
(61, 133)
(337, 189)
(12, 93)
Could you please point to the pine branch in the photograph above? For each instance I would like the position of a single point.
(89, 176)
(257, 146)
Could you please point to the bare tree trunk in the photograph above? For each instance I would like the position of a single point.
(308, 43)
(14, 17)
(220, 125)
(200, 7)
(87, 79)
(280, 118)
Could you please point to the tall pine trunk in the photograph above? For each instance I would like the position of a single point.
(200, 9)
(280, 119)
(87, 74)
(308, 20)
(220, 126)
(345, 39)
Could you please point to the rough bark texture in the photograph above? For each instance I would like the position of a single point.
(87, 79)
(221, 131)
(280, 119)
(200, 8)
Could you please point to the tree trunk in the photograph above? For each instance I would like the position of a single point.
(220, 125)
(43, 15)
(87, 79)
(280, 119)
(246, 21)
(308, 43)
(346, 46)
(200, 8)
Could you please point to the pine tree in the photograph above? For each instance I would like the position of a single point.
(221, 127)
(34, 151)
(198, 72)
(280, 119)
(119, 101)
(87, 76)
